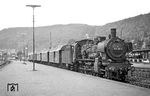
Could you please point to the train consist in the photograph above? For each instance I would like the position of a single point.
(101, 56)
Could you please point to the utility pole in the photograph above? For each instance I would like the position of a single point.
(123, 27)
(33, 6)
(50, 41)
(24, 55)
(121, 33)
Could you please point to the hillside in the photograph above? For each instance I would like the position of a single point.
(131, 28)
(136, 29)
(16, 38)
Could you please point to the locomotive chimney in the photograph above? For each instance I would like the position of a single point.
(113, 32)
(109, 36)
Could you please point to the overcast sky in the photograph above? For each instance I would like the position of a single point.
(14, 13)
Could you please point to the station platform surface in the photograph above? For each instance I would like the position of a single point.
(51, 81)
(141, 65)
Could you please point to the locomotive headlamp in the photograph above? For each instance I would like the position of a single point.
(129, 68)
(132, 68)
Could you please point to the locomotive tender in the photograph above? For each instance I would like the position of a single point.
(101, 56)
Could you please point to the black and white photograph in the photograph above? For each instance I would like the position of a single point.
(74, 48)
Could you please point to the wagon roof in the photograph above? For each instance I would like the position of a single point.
(66, 47)
(84, 40)
(58, 48)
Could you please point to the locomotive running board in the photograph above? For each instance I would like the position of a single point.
(86, 60)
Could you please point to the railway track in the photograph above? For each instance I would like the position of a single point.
(140, 77)
(3, 63)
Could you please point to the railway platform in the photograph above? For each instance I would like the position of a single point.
(18, 79)
(141, 65)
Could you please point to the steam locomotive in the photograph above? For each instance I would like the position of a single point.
(101, 56)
